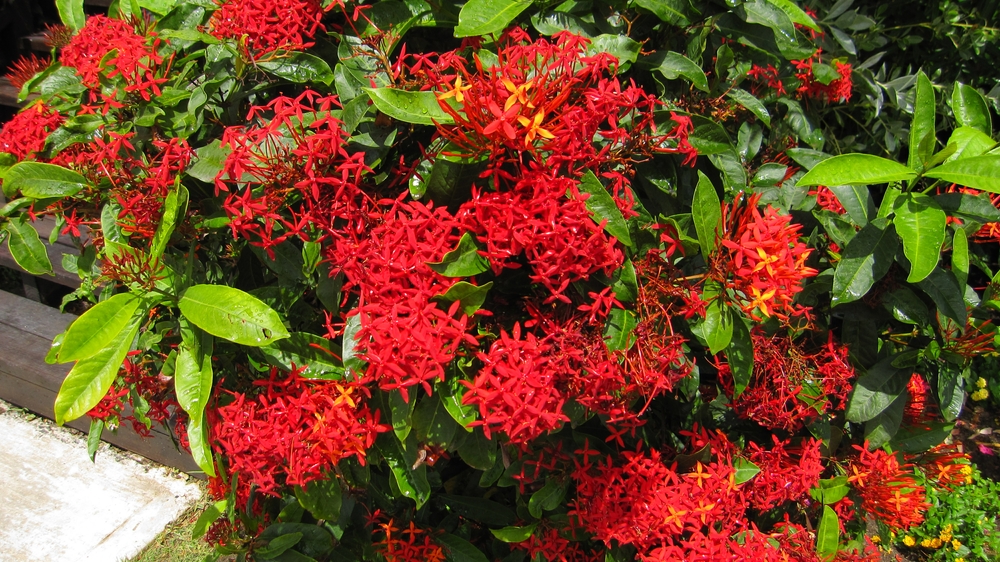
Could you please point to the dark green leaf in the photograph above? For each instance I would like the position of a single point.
(300, 68)
(751, 103)
(922, 124)
(458, 549)
(43, 181)
(352, 362)
(906, 307)
(412, 482)
(740, 355)
(432, 422)
(547, 498)
(478, 509)
(450, 392)
(706, 212)
(970, 108)
(670, 11)
(315, 356)
(463, 261)
(978, 208)
(920, 223)
(316, 542)
(978, 172)
(278, 545)
(960, 257)
(917, 439)
(623, 48)
(795, 13)
(618, 329)
(880, 429)
(807, 157)
(624, 282)
(600, 203)
(322, 498)
(211, 158)
(232, 314)
(828, 533)
(950, 390)
(865, 260)
(207, 517)
(470, 296)
(94, 437)
(675, 65)
(857, 200)
(515, 534)
(477, 451)
(875, 390)
(942, 287)
(421, 108)
(486, 17)
(717, 328)
(174, 206)
(855, 169)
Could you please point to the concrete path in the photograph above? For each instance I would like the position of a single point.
(55, 505)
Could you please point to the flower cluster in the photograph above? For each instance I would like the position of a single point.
(24, 136)
(264, 26)
(830, 90)
(889, 490)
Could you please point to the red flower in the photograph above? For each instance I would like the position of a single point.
(837, 90)
(413, 544)
(786, 473)
(888, 490)
(25, 134)
(265, 26)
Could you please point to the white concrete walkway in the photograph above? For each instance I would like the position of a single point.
(55, 505)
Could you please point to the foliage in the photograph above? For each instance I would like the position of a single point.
(508, 280)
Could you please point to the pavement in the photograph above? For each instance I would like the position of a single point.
(56, 505)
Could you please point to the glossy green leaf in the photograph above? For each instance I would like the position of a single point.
(26, 247)
(421, 108)
(706, 212)
(432, 422)
(888, 203)
(917, 439)
(623, 48)
(751, 103)
(618, 329)
(400, 412)
(96, 328)
(971, 109)
(463, 261)
(740, 355)
(193, 379)
(979, 172)
(477, 451)
(950, 390)
(857, 201)
(920, 223)
(855, 169)
(978, 208)
(450, 392)
(881, 428)
(675, 65)
(922, 124)
(795, 13)
(906, 307)
(457, 549)
(624, 282)
(43, 181)
(200, 445)
(744, 470)
(515, 534)
(277, 546)
(966, 142)
(352, 362)
(322, 498)
(232, 314)
(875, 390)
(960, 257)
(314, 356)
(864, 261)
(548, 497)
(89, 380)
(412, 482)
(486, 17)
(207, 517)
(600, 203)
(828, 533)
(717, 328)
(299, 67)
(831, 490)
(673, 12)
(94, 437)
(174, 206)
(470, 296)
(942, 287)
(479, 509)
(211, 159)
(71, 13)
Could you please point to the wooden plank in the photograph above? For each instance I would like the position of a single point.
(26, 332)
(8, 93)
(55, 252)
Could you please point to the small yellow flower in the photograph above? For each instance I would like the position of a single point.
(981, 394)
(876, 539)
(960, 559)
(956, 544)
(966, 469)
(909, 541)
(926, 543)
(936, 543)
(981, 383)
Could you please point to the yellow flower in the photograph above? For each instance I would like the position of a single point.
(926, 543)
(960, 559)
(935, 543)
(956, 544)
(909, 541)
(981, 394)
(981, 383)
(966, 469)
(876, 539)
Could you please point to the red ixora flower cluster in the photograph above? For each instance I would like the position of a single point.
(264, 26)
(838, 89)
(789, 387)
(108, 47)
(412, 544)
(889, 490)
(24, 135)
(762, 259)
(787, 472)
(293, 432)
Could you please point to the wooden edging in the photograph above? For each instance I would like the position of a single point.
(27, 381)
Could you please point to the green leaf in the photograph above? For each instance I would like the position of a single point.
(675, 65)
(979, 172)
(865, 260)
(970, 108)
(880, 429)
(450, 392)
(470, 296)
(26, 247)
(828, 534)
(457, 549)
(322, 498)
(232, 314)
(481, 510)
(855, 169)
(89, 380)
(421, 108)
(920, 223)
(486, 17)
(211, 159)
(201, 448)
(278, 546)
(744, 470)
(193, 386)
(477, 451)
(922, 124)
(96, 328)
(960, 257)
(300, 68)
(43, 181)
(515, 534)
(352, 362)
(618, 329)
(603, 207)
(463, 261)
(942, 287)
(706, 212)
(950, 390)
(624, 282)
(831, 490)
(315, 356)
(174, 206)
(964, 142)
(717, 328)
(400, 412)
(432, 422)
(412, 482)
(547, 498)
(750, 103)
(623, 48)
(207, 517)
(795, 13)
(94, 437)
(670, 11)
(740, 355)
(857, 201)
(71, 13)
(906, 307)
(977, 208)
(875, 390)
(917, 439)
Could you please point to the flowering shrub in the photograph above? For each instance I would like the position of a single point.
(497, 281)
